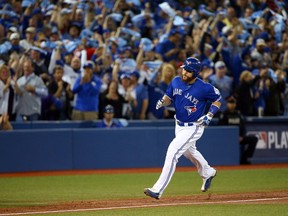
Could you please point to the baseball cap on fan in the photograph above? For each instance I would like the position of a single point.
(174, 32)
(13, 29)
(14, 36)
(136, 74)
(260, 42)
(125, 76)
(231, 99)
(109, 109)
(88, 65)
(31, 30)
(206, 63)
(220, 64)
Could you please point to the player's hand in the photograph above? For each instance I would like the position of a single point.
(159, 104)
(205, 120)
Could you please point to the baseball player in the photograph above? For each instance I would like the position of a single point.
(190, 95)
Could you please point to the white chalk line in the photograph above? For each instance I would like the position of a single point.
(147, 206)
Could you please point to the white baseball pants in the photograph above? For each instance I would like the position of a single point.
(184, 143)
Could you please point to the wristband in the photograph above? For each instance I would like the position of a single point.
(213, 109)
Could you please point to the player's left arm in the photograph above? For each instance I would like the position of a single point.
(215, 96)
(206, 119)
(215, 106)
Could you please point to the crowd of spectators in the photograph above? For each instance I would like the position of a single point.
(69, 59)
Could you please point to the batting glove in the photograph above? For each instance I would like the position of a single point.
(159, 104)
(205, 120)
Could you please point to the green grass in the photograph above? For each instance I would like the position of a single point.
(43, 190)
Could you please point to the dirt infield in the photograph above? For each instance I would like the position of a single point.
(206, 198)
(80, 206)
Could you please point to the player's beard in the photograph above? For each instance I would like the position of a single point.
(187, 79)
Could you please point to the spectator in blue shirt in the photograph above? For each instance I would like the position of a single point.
(87, 90)
(222, 82)
(170, 47)
(243, 60)
(139, 111)
(108, 121)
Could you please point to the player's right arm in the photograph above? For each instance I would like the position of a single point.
(164, 101)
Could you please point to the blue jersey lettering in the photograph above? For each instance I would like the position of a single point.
(190, 100)
(177, 92)
(190, 97)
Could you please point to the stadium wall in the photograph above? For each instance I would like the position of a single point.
(92, 148)
(66, 145)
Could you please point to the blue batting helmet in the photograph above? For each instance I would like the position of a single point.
(192, 65)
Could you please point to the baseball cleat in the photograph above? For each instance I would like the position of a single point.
(207, 182)
(149, 192)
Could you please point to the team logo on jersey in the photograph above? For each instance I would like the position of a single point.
(190, 109)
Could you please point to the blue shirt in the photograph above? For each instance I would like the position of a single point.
(114, 124)
(225, 87)
(141, 95)
(190, 99)
(165, 47)
(87, 94)
(154, 93)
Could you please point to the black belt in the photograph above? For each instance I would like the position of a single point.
(184, 124)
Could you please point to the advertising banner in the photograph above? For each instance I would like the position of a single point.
(272, 143)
